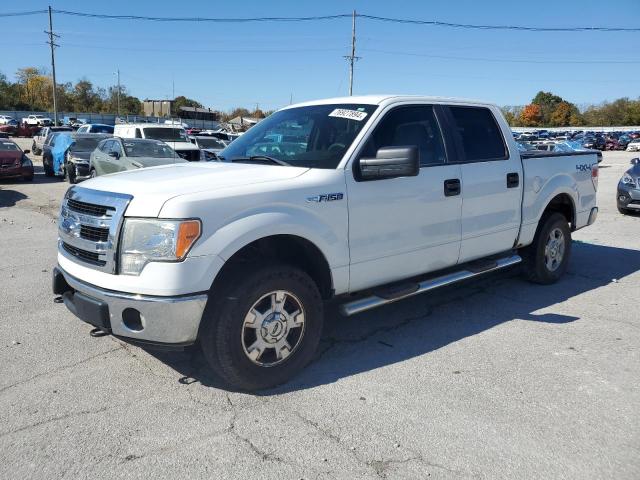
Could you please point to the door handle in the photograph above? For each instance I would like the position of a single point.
(452, 187)
(513, 180)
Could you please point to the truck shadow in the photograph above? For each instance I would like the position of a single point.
(422, 324)
(8, 198)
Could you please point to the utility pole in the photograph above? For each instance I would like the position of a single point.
(53, 45)
(352, 58)
(118, 96)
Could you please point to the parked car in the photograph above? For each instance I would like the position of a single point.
(209, 146)
(14, 163)
(40, 137)
(120, 154)
(173, 135)
(239, 255)
(95, 128)
(628, 197)
(5, 119)
(595, 143)
(9, 128)
(611, 143)
(634, 145)
(69, 154)
(623, 141)
(37, 120)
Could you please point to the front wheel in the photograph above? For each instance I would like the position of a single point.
(48, 169)
(93, 173)
(263, 327)
(70, 173)
(546, 259)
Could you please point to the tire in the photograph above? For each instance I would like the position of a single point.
(28, 179)
(70, 173)
(34, 149)
(229, 340)
(544, 266)
(48, 170)
(93, 173)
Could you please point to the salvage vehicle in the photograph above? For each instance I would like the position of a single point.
(628, 196)
(120, 154)
(69, 153)
(5, 119)
(391, 196)
(14, 163)
(209, 146)
(9, 128)
(173, 135)
(37, 120)
(633, 145)
(41, 136)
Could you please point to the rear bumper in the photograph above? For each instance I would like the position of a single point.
(144, 319)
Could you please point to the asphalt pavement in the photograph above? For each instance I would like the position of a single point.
(494, 379)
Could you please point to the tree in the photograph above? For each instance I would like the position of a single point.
(531, 115)
(561, 115)
(182, 101)
(35, 88)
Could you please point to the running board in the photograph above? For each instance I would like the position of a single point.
(471, 270)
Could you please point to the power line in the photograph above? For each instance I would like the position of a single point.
(204, 19)
(434, 23)
(500, 60)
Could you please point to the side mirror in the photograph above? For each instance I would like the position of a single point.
(635, 161)
(391, 162)
(29, 151)
(115, 155)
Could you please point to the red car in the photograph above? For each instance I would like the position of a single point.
(611, 144)
(14, 163)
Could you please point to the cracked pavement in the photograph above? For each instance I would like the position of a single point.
(493, 379)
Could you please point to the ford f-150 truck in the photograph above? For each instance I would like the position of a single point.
(367, 199)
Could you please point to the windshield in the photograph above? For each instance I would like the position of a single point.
(101, 129)
(210, 143)
(85, 144)
(148, 149)
(8, 146)
(314, 137)
(165, 134)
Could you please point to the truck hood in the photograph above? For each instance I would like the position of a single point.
(152, 187)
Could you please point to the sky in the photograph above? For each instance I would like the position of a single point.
(225, 65)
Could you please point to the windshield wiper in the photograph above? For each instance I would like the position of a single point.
(260, 159)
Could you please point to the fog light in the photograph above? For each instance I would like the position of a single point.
(622, 198)
(132, 319)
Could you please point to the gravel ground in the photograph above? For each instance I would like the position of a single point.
(494, 379)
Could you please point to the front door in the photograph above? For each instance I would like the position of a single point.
(402, 227)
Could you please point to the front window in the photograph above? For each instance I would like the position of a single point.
(166, 134)
(210, 143)
(316, 136)
(148, 149)
(8, 147)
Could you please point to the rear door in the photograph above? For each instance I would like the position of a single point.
(401, 227)
(491, 182)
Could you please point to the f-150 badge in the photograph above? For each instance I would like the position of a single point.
(326, 197)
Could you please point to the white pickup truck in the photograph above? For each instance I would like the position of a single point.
(367, 199)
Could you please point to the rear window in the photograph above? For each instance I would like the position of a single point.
(479, 133)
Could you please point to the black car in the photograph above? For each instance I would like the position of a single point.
(67, 154)
(628, 198)
(598, 143)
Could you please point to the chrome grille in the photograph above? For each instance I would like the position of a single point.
(89, 227)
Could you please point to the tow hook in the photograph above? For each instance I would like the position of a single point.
(96, 332)
(58, 300)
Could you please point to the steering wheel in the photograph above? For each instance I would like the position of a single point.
(336, 147)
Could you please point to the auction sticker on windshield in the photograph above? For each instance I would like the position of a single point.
(349, 114)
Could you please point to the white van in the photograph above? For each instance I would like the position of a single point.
(173, 135)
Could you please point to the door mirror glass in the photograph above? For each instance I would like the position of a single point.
(391, 162)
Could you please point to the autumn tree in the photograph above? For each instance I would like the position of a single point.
(561, 115)
(531, 115)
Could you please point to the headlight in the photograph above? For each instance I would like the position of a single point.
(628, 180)
(147, 240)
(26, 162)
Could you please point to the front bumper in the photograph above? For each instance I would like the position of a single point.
(16, 172)
(628, 197)
(152, 320)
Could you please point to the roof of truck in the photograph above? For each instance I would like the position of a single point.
(380, 99)
(150, 125)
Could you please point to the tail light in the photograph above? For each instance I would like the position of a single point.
(594, 175)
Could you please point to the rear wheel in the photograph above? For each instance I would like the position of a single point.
(546, 259)
(263, 327)
(48, 169)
